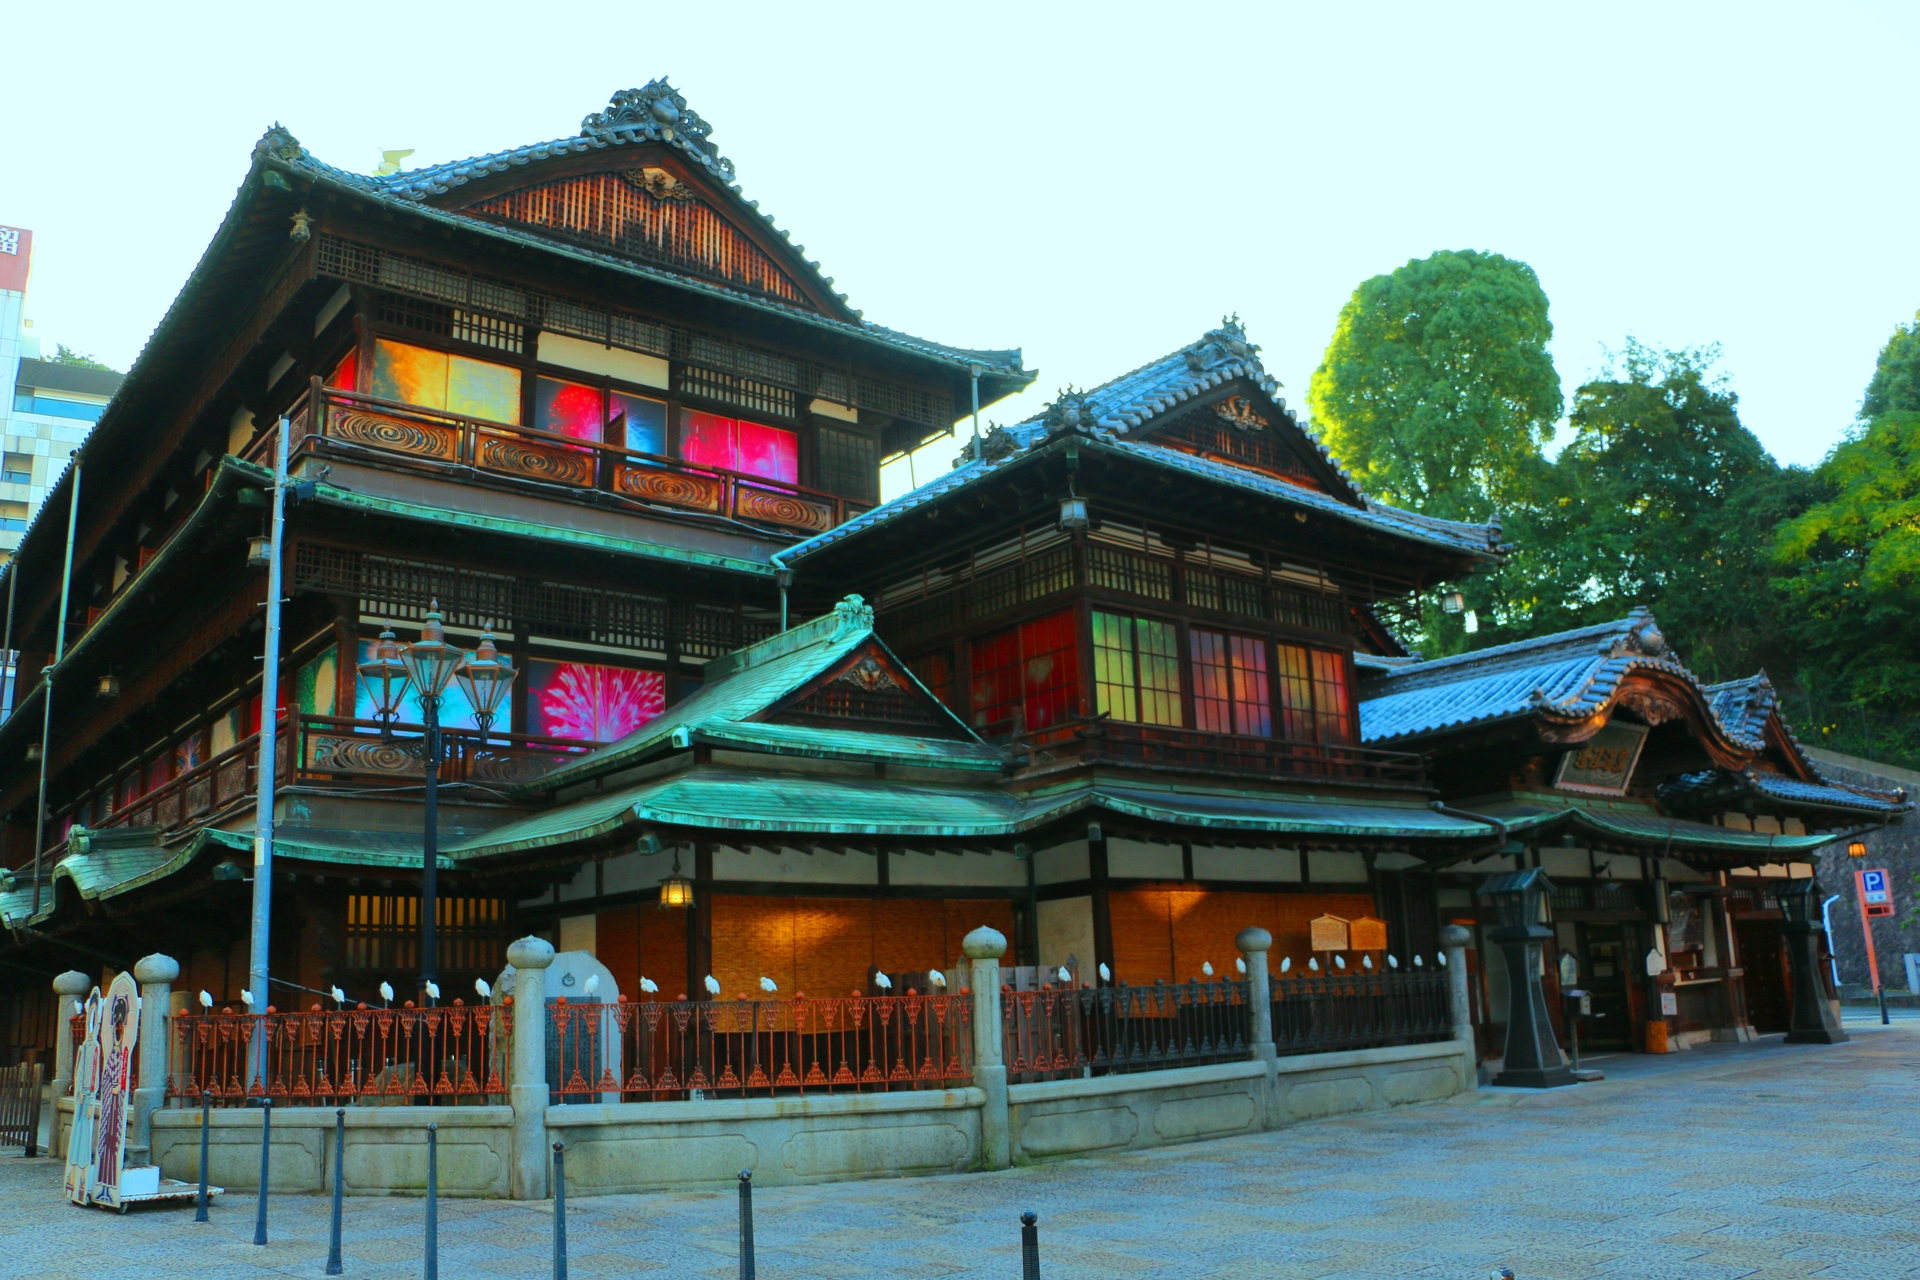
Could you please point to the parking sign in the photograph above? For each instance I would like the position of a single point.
(1876, 892)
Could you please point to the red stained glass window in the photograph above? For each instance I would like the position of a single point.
(1315, 705)
(591, 702)
(747, 447)
(1027, 677)
(1230, 688)
(346, 374)
(569, 409)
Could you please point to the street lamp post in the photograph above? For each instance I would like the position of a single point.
(429, 665)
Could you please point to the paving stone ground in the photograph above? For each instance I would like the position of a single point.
(1731, 1161)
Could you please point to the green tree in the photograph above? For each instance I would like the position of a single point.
(64, 354)
(1436, 390)
(1896, 377)
(1660, 498)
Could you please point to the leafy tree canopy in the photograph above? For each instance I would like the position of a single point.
(1437, 390)
(64, 354)
(1896, 376)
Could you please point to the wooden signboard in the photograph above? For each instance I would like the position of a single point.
(1329, 933)
(1367, 934)
(1605, 764)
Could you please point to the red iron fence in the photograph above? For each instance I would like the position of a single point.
(1362, 1011)
(450, 1054)
(640, 1051)
(1060, 1032)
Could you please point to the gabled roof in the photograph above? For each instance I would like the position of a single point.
(654, 115)
(1114, 415)
(1570, 675)
(1720, 789)
(750, 682)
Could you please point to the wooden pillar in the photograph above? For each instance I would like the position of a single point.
(1102, 909)
(700, 924)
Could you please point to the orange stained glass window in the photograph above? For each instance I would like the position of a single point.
(441, 380)
(1315, 704)
(1136, 669)
(737, 445)
(1029, 674)
(1230, 688)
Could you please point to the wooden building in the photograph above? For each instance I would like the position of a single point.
(1110, 684)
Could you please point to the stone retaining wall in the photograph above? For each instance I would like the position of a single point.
(386, 1149)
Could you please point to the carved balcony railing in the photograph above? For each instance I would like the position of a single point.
(432, 438)
(1103, 740)
(340, 748)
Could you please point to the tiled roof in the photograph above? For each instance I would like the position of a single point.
(1716, 788)
(1601, 821)
(1111, 412)
(1571, 674)
(633, 117)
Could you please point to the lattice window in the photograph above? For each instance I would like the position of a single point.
(756, 397)
(849, 464)
(1313, 612)
(1224, 593)
(609, 211)
(412, 313)
(838, 700)
(383, 935)
(1116, 570)
(1262, 448)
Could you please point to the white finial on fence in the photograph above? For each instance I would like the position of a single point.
(713, 985)
(433, 990)
(206, 999)
(339, 997)
(648, 985)
(1106, 974)
(1314, 964)
(1366, 962)
(1418, 963)
(1441, 956)
(767, 985)
(386, 992)
(593, 983)
(246, 998)
(1206, 967)
(1286, 963)
(1240, 963)
(481, 989)
(1340, 962)
(1392, 961)
(882, 981)
(937, 978)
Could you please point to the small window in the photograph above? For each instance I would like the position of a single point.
(591, 702)
(439, 380)
(1136, 669)
(1230, 688)
(590, 413)
(13, 516)
(1314, 702)
(17, 468)
(1026, 676)
(737, 445)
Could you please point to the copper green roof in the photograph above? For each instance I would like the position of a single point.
(749, 681)
(1629, 823)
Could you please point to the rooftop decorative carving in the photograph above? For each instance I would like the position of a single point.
(1238, 413)
(658, 111)
(1226, 345)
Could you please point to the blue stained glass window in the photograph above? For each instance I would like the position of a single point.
(646, 421)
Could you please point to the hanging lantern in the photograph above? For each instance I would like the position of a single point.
(1857, 849)
(385, 677)
(486, 676)
(1453, 602)
(676, 890)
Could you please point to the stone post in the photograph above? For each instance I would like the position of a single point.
(984, 947)
(69, 987)
(155, 974)
(1455, 938)
(1254, 943)
(527, 1092)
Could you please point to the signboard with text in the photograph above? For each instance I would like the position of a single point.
(1876, 892)
(1605, 764)
(16, 253)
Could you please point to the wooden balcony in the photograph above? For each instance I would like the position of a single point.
(1101, 740)
(438, 441)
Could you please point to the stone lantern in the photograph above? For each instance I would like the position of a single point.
(1533, 1059)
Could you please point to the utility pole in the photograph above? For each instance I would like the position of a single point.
(46, 698)
(262, 928)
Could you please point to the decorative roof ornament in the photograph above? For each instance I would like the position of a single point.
(1643, 640)
(852, 614)
(278, 143)
(1071, 413)
(997, 445)
(1226, 345)
(658, 112)
(1238, 413)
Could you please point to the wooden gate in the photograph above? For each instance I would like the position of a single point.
(20, 1107)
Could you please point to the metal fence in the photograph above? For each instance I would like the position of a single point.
(1064, 1031)
(451, 1054)
(640, 1051)
(1364, 1011)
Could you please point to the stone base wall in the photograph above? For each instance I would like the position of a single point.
(657, 1146)
(386, 1149)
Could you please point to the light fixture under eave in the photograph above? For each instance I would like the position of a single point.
(259, 552)
(33, 751)
(676, 890)
(1857, 849)
(1073, 513)
(109, 687)
(1453, 602)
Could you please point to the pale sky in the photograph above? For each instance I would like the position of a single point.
(1097, 184)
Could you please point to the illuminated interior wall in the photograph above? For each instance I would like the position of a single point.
(826, 946)
(1164, 933)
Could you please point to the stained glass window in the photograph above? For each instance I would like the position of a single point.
(346, 374)
(314, 683)
(1315, 705)
(591, 702)
(1028, 674)
(747, 447)
(569, 409)
(439, 380)
(1136, 669)
(637, 422)
(1230, 684)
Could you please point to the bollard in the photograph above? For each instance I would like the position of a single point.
(266, 1141)
(206, 1119)
(1029, 1246)
(433, 1202)
(559, 1211)
(339, 1184)
(746, 1224)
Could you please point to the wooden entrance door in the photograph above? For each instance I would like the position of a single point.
(1763, 954)
(1609, 969)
